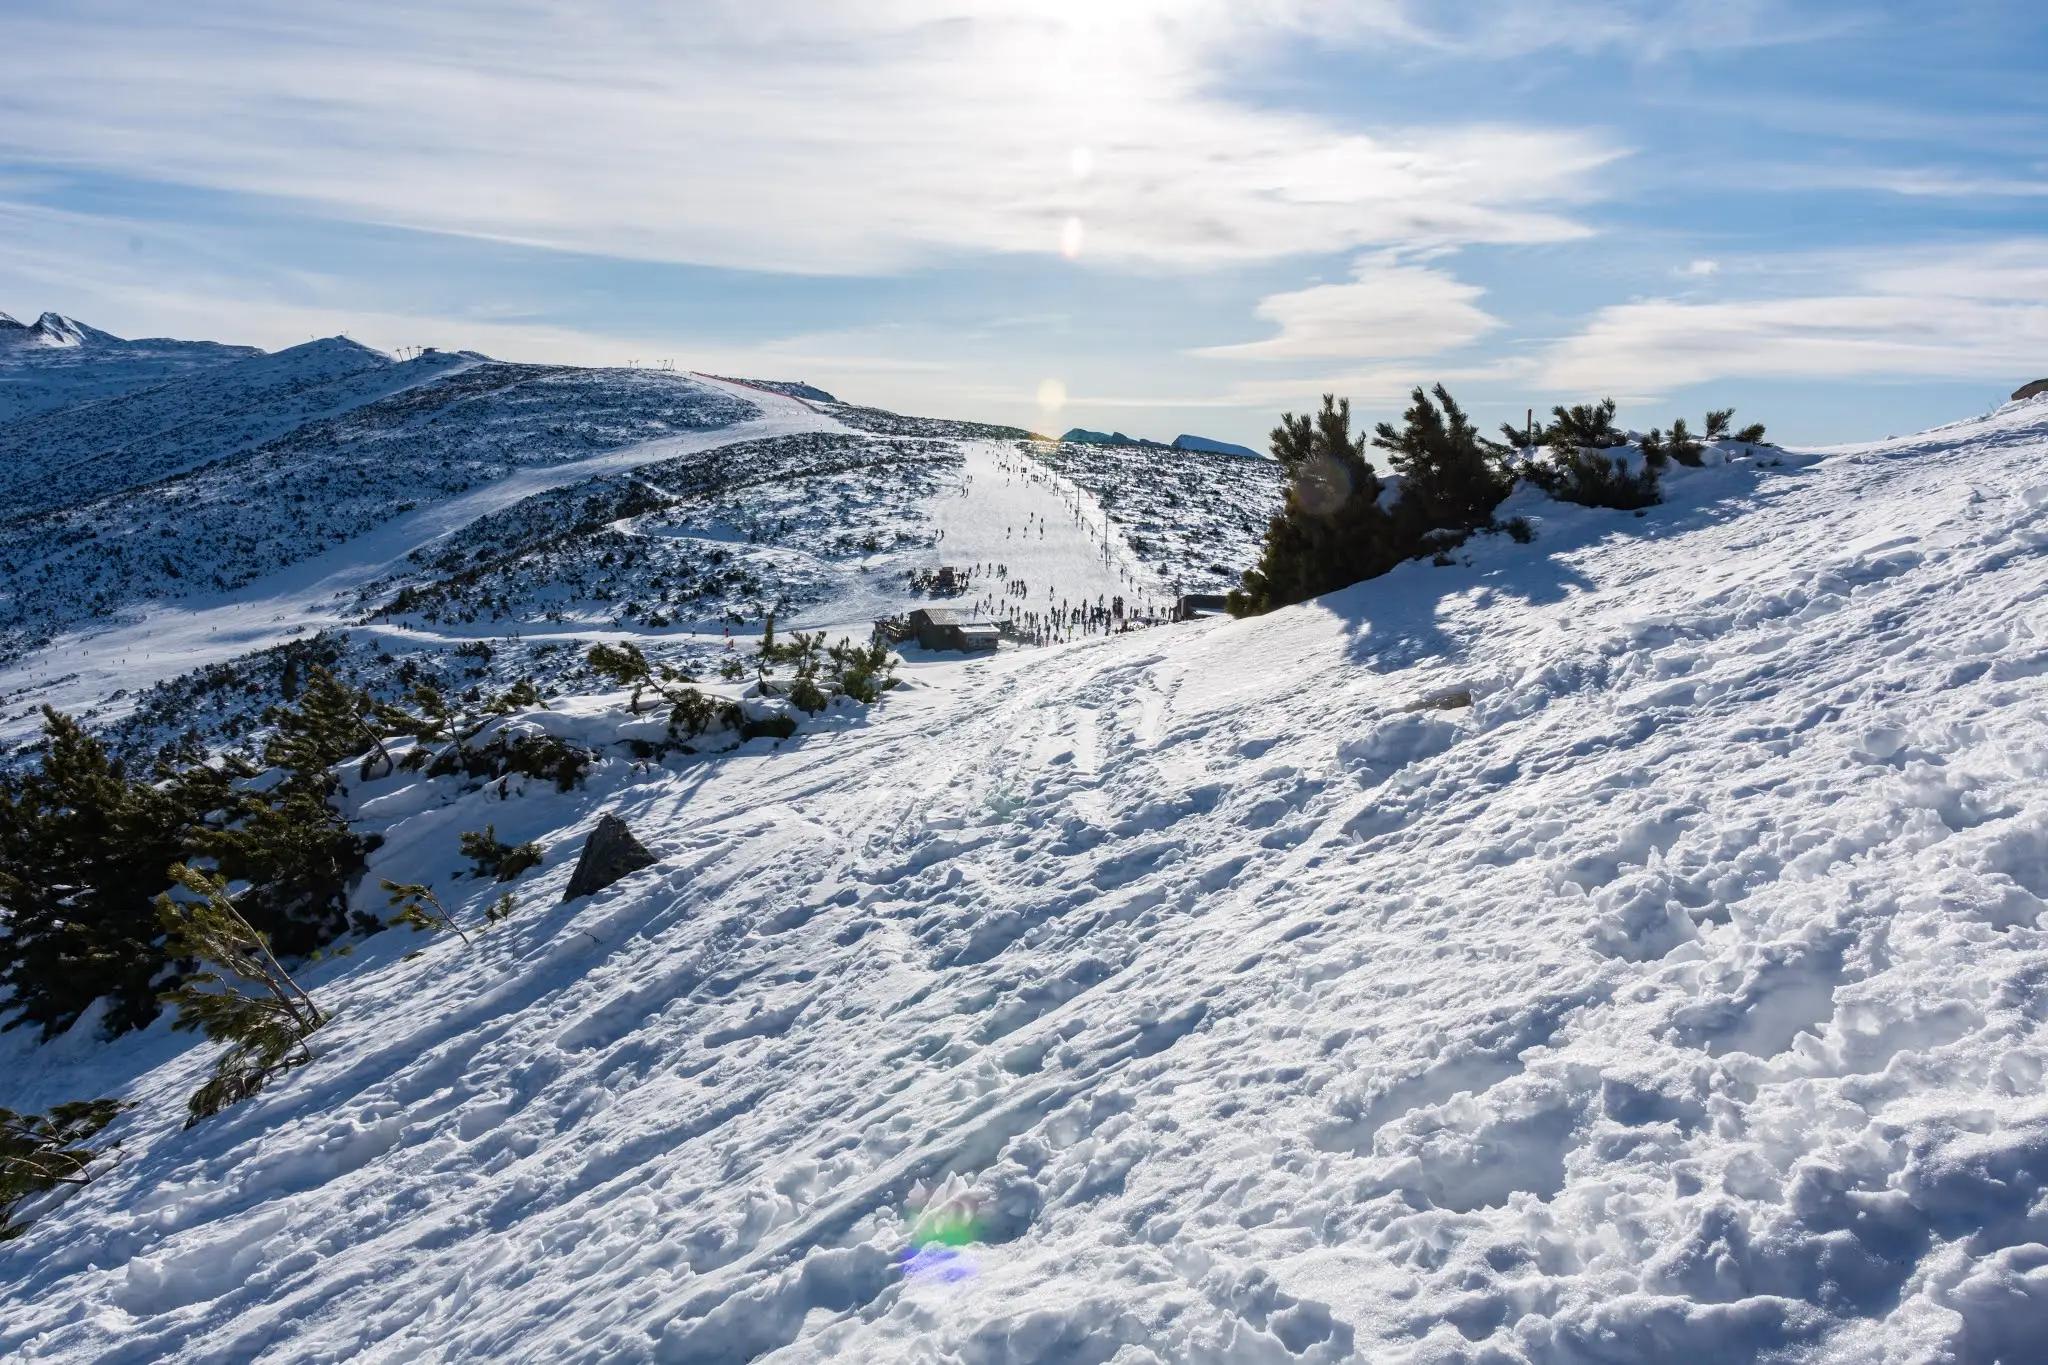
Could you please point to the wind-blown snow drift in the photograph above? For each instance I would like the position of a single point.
(1233, 993)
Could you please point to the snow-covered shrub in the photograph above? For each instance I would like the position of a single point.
(778, 726)
(539, 756)
(696, 714)
(1593, 478)
(804, 692)
(863, 673)
(1682, 447)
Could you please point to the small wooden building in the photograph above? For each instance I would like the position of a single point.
(1190, 605)
(952, 628)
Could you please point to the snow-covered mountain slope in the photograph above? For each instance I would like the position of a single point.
(455, 508)
(227, 523)
(56, 362)
(1197, 516)
(1625, 946)
(91, 450)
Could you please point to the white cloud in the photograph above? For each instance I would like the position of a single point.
(1388, 309)
(1978, 313)
(1701, 268)
(813, 137)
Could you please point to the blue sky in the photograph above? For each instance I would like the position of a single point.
(1159, 215)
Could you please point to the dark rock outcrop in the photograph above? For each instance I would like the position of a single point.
(2039, 386)
(610, 853)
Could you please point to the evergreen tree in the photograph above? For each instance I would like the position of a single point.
(1654, 453)
(243, 996)
(1753, 434)
(1330, 530)
(83, 852)
(1593, 478)
(521, 696)
(1451, 477)
(1584, 426)
(495, 859)
(42, 1151)
(421, 909)
(1718, 421)
(331, 722)
(625, 666)
(862, 673)
(1682, 447)
(298, 856)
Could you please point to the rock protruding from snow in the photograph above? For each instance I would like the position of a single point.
(2033, 390)
(611, 853)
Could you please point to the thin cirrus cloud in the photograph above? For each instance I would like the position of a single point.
(810, 138)
(1387, 310)
(1976, 313)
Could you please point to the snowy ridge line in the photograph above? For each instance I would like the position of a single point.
(760, 388)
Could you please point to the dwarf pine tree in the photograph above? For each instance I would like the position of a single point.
(1718, 421)
(242, 996)
(1451, 477)
(1682, 447)
(42, 1151)
(1654, 453)
(862, 672)
(496, 859)
(1593, 478)
(83, 851)
(521, 696)
(297, 854)
(1584, 426)
(1753, 434)
(623, 665)
(419, 908)
(804, 692)
(1330, 529)
(331, 722)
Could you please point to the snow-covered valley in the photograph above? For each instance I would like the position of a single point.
(163, 551)
(1628, 945)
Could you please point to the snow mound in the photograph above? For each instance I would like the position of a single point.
(1624, 946)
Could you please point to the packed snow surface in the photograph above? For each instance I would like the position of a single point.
(1625, 946)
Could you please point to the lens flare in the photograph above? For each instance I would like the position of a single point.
(1052, 395)
(942, 1235)
(1071, 235)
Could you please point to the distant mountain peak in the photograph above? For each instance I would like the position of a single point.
(8, 320)
(54, 329)
(1209, 446)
